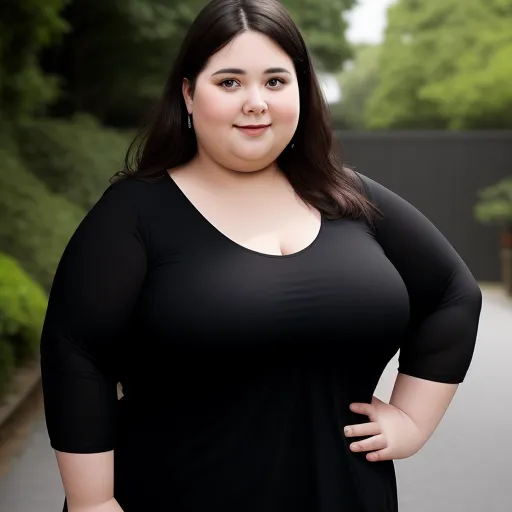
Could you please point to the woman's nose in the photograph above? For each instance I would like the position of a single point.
(255, 103)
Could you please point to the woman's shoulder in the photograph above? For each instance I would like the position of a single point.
(374, 190)
(130, 185)
(133, 190)
(362, 182)
(128, 200)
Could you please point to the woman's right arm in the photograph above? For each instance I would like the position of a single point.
(92, 297)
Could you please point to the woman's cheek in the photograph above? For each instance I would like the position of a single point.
(287, 109)
(218, 105)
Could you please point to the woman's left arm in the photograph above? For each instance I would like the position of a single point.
(424, 401)
(437, 353)
(445, 305)
(445, 299)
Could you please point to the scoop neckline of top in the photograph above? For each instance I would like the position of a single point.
(236, 244)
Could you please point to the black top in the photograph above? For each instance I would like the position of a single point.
(238, 367)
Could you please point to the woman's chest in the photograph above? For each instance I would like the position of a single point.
(203, 290)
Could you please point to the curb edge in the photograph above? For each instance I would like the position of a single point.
(29, 381)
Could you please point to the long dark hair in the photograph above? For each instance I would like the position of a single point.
(314, 166)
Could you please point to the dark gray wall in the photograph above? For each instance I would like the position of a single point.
(439, 173)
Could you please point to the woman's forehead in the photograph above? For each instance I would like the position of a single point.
(250, 50)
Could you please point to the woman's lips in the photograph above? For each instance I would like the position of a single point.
(253, 130)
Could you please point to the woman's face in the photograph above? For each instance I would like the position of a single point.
(250, 82)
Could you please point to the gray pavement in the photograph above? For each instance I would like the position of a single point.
(465, 467)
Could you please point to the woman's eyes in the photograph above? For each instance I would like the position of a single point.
(231, 81)
(279, 80)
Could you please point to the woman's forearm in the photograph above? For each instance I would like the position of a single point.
(88, 480)
(424, 401)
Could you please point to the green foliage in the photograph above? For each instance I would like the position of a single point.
(27, 26)
(7, 137)
(115, 59)
(323, 27)
(35, 224)
(157, 21)
(22, 308)
(445, 64)
(73, 158)
(495, 204)
(357, 81)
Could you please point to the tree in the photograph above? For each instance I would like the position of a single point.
(358, 81)
(115, 59)
(445, 64)
(324, 27)
(27, 26)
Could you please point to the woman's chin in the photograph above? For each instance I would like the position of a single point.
(258, 156)
(248, 165)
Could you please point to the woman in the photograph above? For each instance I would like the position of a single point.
(247, 290)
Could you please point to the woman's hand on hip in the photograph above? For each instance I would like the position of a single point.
(394, 434)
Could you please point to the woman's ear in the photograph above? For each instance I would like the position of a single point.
(187, 95)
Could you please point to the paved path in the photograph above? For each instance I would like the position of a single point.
(465, 467)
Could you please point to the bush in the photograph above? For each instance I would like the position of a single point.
(35, 224)
(73, 158)
(7, 136)
(22, 308)
(495, 204)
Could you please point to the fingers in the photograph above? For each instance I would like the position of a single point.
(364, 429)
(363, 408)
(377, 442)
(380, 455)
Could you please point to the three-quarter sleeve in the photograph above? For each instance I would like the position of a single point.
(445, 300)
(94, 291)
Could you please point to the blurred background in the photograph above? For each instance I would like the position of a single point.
(420, 93)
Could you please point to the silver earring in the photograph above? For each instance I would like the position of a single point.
(189, 122)
(293, 145)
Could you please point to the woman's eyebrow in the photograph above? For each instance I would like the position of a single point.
(238, 71)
